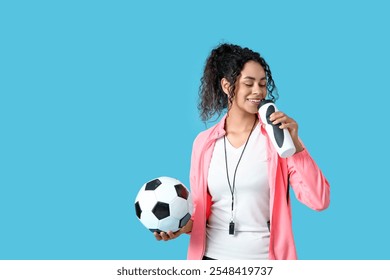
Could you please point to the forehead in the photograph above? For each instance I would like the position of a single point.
(253, 69)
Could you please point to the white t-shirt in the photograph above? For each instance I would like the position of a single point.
(251, 201)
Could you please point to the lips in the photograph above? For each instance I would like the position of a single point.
(255, 101)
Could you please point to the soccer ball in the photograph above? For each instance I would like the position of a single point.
(163, 204)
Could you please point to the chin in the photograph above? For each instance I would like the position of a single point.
(252, 111)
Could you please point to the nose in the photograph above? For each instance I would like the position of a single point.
(260, 91)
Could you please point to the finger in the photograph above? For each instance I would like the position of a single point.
(276, 115)
(157, 236)
(164, 236)
(290, 126)
(283, 119)
(171, 234)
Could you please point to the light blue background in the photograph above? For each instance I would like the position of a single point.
(98, 97)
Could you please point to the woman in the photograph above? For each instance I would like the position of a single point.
(239, 184)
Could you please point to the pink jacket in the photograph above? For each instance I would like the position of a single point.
(300, 171)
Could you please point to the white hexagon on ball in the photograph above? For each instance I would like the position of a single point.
(166, 193)
(169, 223)
(177, 207)
(190, 204)
(146, 199)
(149, 220)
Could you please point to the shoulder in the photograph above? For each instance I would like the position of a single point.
(203, 136)
(211, 133)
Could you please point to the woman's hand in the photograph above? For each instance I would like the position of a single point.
(289, 123)
(172, 235)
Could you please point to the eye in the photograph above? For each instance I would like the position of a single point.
(248, 85)
(263, 85)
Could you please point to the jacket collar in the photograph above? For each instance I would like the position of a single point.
(219, 128)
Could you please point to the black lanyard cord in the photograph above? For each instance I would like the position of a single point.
(232, 189)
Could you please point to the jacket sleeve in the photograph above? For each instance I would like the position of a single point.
(193, 179)
(309, 184)
(195, 184)
(196, 193)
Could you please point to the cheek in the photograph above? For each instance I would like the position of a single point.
(242, 95)
(240, 99)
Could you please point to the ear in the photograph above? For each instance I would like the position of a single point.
(225, 86)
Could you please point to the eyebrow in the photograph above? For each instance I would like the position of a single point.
(252, 78)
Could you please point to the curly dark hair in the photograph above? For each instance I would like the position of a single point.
(227, 61)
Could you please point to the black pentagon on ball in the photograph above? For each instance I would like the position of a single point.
(155, 230)
(181, 191)
(184, 220)
(161, 210)
(152, 185)
(138, 210)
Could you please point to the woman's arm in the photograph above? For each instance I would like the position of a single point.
(309, 184)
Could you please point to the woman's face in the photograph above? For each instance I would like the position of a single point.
(251, 88)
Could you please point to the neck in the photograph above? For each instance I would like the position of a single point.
(239, 122)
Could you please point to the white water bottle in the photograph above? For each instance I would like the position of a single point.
(280, 138)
